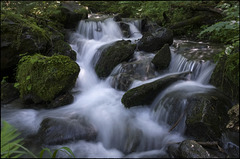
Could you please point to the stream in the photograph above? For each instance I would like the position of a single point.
(136, 132)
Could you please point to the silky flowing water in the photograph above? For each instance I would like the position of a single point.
(135, 132)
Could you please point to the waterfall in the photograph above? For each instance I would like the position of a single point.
(121, 132)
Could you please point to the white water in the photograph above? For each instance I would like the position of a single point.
(119, 129)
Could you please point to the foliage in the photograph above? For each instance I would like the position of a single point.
(12, 145)
(45, 76)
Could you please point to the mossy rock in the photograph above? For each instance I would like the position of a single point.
(44, 78)
(146, 93)
(207, 115)
(226, 76)
(163, 58)
(113, 55)
(61, 47)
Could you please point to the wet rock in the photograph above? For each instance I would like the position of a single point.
(42, 78)
(173, 151)
(140, 69)
(163, 58)
(146, 93)
(8, 93)
(54, 131)
(153, 41)
(62, 100)
(125, 28)
(233, 123)
(207, 115)
(191, 149)
(113, 55)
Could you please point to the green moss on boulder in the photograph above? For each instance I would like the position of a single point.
(44, 78)
(113, 55)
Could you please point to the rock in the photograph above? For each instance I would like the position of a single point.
(70, 14)
(207, 115)
(15, 40)
(140, 69)
(151, 42)
(61, 100)
(221, 80)
(55, 131)
(8, 93)
(125, 28)
(233, 123)
(113, 55)
(145, 94)
(191, 149)
(163, 58)
(173, 151)
(42, 78)
(61, 47)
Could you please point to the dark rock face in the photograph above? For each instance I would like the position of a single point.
(61, 100)
(8, 93)
(145, 94)
(163, 58)
(191, 149)
(140, 69)
(113, 55)
(70, 14)
(220, 80)
(55, 131)
(207, 116)
(151, 42)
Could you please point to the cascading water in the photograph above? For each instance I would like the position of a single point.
(121, 132)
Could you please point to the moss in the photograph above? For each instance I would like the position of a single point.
(46, 77)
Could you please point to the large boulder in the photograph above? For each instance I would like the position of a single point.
(163, 58)
(54, 131)
(41, 78)
(146, 93)
(151, 42)
(15, 40)
(69, 14)
(207, 116)
(113, 55)
(226, 78)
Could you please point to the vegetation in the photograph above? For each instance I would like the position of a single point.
(12, 145)
(45, 76)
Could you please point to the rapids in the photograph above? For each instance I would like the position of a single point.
(135, 132)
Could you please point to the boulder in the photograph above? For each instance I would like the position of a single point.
(61, 100)
(55, 131)
(226, 79)
(42, 79)
(113, 55)
(69, 14)
(15, 40)
(207, 116)
(163, 58)
(146, 93)
(153, 41)
(191, 149)
(140, 69)
(61, 47)
(8, 93)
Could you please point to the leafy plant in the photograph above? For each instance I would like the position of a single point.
(11, 145)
